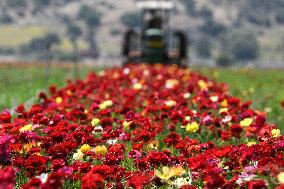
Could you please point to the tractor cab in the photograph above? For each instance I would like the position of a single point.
(154, 41)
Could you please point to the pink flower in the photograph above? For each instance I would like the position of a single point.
(135, 154)
(5, 142)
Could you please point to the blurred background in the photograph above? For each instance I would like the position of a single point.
(220, 31)
(39, 39)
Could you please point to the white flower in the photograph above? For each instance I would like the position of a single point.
(186, 95)
(170, 103)
(182, 181)
(126, 71)
(43, 177)
(146, 72)
(227, 119)
(111, 141)
(78, 156)
(98, 129)
(214, 98)
(245, 177)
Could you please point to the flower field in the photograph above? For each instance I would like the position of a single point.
(140, 127)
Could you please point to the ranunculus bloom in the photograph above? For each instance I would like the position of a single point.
(5, 141)
(7, 178)
(141, 126)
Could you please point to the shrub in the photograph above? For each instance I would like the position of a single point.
(131, 19)
(212, 28)
(203, 47)
(190, 7)
(280, 16)
(244, 46)
(6, 19)
(224, 60)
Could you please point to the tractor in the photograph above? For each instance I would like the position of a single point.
(154, 41)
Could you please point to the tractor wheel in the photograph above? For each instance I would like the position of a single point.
(182, 41)
(128, 37)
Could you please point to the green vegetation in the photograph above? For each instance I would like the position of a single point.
(22, 82)
(264, 87)
(91, 18)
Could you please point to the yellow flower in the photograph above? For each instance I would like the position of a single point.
(171, 83)
(224, 103)
(275, 133)
(95, 121)
(203, 85)
(223, 110)
(26, 147)
(246, 122)
(137, 86)
(251, 143)
(58, 100)
(170, 103)
(154, 145)
(28, 127)
(100, 149)
(280, 178)
(167, 172)
(105, 104)
(251, 90)
(192, 127)
(126, 125)
(85, 148)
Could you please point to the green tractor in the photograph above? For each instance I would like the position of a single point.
(154, 41)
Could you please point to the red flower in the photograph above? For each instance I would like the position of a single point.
(5, 117)
(256, 184)
(187, 187)
(7, 178)
(32, 184)
(236, 130)
(54, 181)
(5, 142)
(213, 179)
(92, 181)
(138, 181)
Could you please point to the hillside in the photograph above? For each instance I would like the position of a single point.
(210, 22)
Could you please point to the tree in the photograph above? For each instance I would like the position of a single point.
(92, 20)
(16, 3)
(131, 19)
(6, 19)
(212, 28)
(205, 13)
(39, 5)
(74, 32)
(190, 7)
(243, 45)
(203, 47)
(280, 16)
(224, 60)
(41, 44)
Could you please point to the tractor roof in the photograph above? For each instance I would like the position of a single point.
(153, 5)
